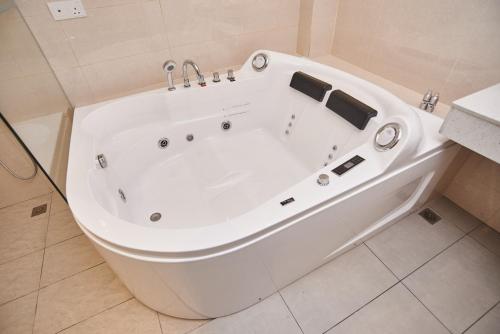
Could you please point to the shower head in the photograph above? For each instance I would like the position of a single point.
(169, 65)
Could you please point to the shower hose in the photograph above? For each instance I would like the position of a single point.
(17, 176)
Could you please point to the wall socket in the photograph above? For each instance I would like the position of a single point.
(67, 9)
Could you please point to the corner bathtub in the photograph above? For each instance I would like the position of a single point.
(242, 213)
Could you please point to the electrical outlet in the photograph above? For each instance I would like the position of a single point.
(65, 10)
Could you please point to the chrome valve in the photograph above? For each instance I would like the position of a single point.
(216, 77)
(230, 75)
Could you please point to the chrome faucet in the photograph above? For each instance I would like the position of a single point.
(169, 67)
(201, 79)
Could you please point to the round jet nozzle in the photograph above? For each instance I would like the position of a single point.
(169, 65)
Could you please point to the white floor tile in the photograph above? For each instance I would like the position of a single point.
(459, 285)
(130, 317)
(489, 324)
(396, 311)
(332, 292)
(487, 237)
(411, 242)
(455, 214)
(171, 325)
(270, 316)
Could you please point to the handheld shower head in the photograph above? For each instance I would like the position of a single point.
(169, 67)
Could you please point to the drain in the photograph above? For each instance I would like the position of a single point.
(155, 217)
(189, 137)
(38, 210)
(430, 216)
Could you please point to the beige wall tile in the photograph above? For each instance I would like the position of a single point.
(17, 316)
(62, 226)
(356, 21)
(20, 277)
(68, 258)
(129, 317)
(77, 298)
(113, 32)
(451, 46)
(323, 27)
(119, 76)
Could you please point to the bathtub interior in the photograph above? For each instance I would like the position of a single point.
(278, 137)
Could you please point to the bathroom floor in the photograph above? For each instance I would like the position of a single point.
(412, 278)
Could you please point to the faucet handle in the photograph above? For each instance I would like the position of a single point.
(186, 82)
(230, 75)
(201, 80)
(216, 77)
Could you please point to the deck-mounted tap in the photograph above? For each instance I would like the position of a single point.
(169, 67)
(201, 79)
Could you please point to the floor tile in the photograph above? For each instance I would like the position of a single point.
(67, 258)
(171, 325)
(129, 317)
(17, 316)
(455, 214)
(58, 204)
(62, 226)
(411, 242)
(270, 316)
(489, 324)
(459, 285)
(19, 239)
(77, 298)
(20, 277)
(396, 311)
(332, 292)
(21, 212)
(487, 237)
(20, 234)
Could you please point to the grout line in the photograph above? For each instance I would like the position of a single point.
(481, 317)
(41, 267)
(385, 265)
(159, 322)
(362, 306)
(72, 275)
(27, 200)
(40, 249)
(291, 313)
(421, 302)
(94, 315)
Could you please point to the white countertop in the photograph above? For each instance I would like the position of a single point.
(484, 104)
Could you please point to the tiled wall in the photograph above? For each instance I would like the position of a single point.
(28, 88)
(316, 27)
(452, 46)
(122, 44)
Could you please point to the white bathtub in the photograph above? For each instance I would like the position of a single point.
(226, 239)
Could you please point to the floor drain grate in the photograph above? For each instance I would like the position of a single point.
(430, 216)
(38, 210)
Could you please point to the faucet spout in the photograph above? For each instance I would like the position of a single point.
(199, 76)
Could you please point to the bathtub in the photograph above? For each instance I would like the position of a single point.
(206, 200)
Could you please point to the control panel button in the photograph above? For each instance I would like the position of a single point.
(323, 180)
(348, 165)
